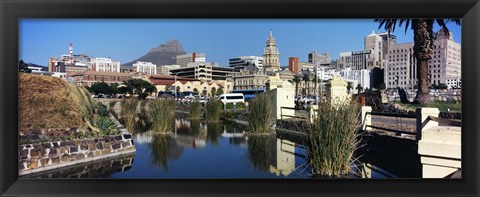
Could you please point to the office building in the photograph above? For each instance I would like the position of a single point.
(238, 63)
(145, 67)
(184, 59)
(204, 71)
(443, 68)
(105, 65)
(318, 58)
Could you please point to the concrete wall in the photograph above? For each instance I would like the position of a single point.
(44, 156)
(441, 151)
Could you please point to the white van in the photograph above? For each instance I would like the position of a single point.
(232, 98)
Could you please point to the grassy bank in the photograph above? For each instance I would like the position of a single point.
(441, 105)
(49, 102)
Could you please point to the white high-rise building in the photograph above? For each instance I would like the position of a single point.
(145, 67)
(165, 69)
(241, 62)
(105, 65)
(373, 42)
(358, 60)
(443, 68)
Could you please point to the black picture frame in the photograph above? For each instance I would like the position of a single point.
(11, 11)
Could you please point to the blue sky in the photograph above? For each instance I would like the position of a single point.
(125, 40)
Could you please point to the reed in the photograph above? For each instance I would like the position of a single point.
(214, 109)
(333, 138)
(162, 115)
(129, 112)
(259, 113)
(195, 110)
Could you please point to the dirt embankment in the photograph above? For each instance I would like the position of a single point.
(47, 102)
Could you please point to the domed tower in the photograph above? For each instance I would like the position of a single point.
(270, 54)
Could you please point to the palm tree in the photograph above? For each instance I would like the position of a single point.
(423, 38)
(306, 79)
(296, 79)
(359, 88)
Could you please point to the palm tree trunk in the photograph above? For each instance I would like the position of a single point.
(423, 46)
(423, 92)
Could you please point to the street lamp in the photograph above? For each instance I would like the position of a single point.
(176, 83)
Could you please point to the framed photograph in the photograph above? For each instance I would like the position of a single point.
(125, 98)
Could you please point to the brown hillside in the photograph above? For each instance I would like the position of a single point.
(50, 102)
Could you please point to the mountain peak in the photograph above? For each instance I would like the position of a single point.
(164, 54)
(170, 46)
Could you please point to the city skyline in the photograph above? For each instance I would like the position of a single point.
(220, 39)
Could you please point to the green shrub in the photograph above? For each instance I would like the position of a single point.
(332, 138)
(195, 110)
(213, 111)
(106, 126)
(225, 115)
(239, 106)
(259, 113)
(102, 109)
(162, 115)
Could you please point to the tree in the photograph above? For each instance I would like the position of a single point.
(381, 86)
(178, 90)
(213, 91)
(102, 88)
(359, 88)
(122, 90)
(140, 87)
(349, 87)
(23, 67)
(296, 79)
(423, 38)
(167, 88)
(219, 91)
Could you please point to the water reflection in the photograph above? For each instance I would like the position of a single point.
(164, 149)
(98, 169)
(270, 154)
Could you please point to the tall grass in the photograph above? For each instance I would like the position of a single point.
(332, 138)
(195, 110)
(259, 113)
(214, 109)
(162, 115)
(129, 112)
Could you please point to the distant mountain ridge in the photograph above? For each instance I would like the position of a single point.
(164, 54)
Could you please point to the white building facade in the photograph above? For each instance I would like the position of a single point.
(241, 62)
(443, 68)
(105, 65)
(145, 67)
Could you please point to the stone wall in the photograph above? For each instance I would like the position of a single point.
(103, 168)
(44, 156)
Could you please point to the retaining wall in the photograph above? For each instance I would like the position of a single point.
(39, 157)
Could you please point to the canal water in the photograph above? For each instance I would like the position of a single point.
(216, 150)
